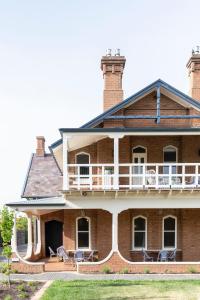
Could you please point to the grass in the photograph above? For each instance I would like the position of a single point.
(123, 290)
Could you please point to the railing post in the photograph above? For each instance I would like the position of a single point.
(196, 175)
(170, 175)
(183, 175)
(90, 174)
(116, 163)
(157, 176)
(130, 177)
(65, 163)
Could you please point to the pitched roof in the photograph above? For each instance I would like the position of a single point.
(43, 179)
(158, 83)
(54, 201)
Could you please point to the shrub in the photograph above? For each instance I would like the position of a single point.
(192, 270)
(31, 283)
(21, 288)
(146, 271)
(8, 297)
(124, 271)
(23, 295)
(106, 270)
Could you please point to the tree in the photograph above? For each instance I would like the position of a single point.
(6, 227)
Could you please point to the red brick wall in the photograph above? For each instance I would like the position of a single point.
(154, 230)
(102, 151)
(101, 234)
(116, 264)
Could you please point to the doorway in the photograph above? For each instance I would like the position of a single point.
(53, 235)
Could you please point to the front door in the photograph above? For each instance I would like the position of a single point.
(139, 158)
(53, 235)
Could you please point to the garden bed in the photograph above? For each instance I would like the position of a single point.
(19, 290)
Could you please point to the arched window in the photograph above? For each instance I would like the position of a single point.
(169, 232)
(83, 233)
(139, 149)
(139, 232)
(169, 156)
(83, 159)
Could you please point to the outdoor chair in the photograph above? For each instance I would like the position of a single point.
(151, 179)
(51, 252)
(172, 256)
(62, 254)
(146, 257)
(163, 255)
(79, 256)
(90, 257)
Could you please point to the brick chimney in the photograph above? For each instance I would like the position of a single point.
(112, 67)
(193, 66)
(40, 150)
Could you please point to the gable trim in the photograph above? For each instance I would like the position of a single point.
(132, 99)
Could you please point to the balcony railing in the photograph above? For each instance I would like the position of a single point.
(133, 176)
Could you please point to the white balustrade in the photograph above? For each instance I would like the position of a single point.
(133, 176)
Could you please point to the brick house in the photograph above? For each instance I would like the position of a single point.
(126, 181)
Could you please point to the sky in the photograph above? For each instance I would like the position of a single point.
(50, 75)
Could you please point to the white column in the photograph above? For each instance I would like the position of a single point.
(39, 244)
(65, 161)
(116, 163)
(14, 235)
(30, 233)
(115, 231)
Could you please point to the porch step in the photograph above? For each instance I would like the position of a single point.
(59, 266)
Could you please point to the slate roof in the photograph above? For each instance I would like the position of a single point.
(44, 178)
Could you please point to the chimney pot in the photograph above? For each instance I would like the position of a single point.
(40, 150)
(193, 67)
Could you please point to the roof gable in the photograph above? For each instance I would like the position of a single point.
(178, 96)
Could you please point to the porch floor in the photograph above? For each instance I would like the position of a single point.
(53, 265)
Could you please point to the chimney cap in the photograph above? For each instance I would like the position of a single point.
(196, 51)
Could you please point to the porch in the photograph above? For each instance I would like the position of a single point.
(119, 237)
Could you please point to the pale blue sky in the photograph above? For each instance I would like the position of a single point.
(50, 74)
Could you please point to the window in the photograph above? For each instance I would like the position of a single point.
(170, 156)
(169, 232)
(83, 159)
(139, 232)
(83, 233)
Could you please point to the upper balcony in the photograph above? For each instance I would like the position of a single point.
(108, 159)
(134, 176)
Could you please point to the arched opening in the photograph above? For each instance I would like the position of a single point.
(169, 156)
(169, 232)
(53, 235)
(83, 159)
(139, 157)
(139, 233)
(83, 233)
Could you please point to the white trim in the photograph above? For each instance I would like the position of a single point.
(175, 246)
(89, 225)
(133, 233)
(172, 147)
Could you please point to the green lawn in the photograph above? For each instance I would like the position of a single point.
(123, 290)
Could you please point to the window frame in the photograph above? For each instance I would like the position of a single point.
(89, 234)
(133, 233)
(163, 232)
(175, 150)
